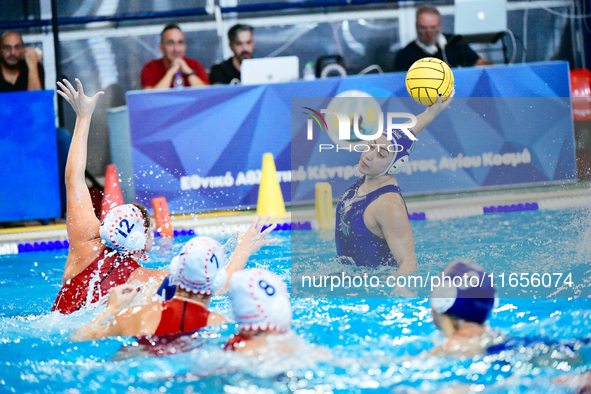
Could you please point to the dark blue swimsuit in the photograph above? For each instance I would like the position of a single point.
(353, 238)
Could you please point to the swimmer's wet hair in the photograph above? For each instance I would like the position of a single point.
(145, 215)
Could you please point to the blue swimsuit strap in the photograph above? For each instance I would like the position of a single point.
(372, 196)
(380, 191)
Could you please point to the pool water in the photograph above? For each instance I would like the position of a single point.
(345, 345)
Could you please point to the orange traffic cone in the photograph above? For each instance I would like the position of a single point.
(162, 217)
(112, 196)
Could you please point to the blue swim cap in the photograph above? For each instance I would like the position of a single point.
(470, 297)
(403, 145)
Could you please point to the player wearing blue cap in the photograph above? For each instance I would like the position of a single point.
(372, 220)
(460, 307)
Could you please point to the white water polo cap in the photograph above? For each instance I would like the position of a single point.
(200, 267)
(468, 294)
(173, 278)
(123, 229)
(260, 300)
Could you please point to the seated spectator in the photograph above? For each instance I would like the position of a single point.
(242, 44)
(20, 65)
(160, 73)
(431, 42)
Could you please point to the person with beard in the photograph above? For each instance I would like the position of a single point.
(160, 73)
(20, 65)
(242, 44)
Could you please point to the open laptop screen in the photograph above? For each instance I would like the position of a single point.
(480, 16)
(269, 70)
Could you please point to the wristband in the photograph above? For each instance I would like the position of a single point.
(189, 74)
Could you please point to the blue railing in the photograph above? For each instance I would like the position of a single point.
(263, 7)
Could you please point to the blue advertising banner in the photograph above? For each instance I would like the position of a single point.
(202, 148)
(29, 172)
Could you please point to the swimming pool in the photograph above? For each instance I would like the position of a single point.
(372, 341)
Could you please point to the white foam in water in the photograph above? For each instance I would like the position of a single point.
(565, 202)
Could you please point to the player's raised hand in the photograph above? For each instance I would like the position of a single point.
(83, 105)
(254, 238)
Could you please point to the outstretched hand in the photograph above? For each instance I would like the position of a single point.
(248, 244)
(254, 239)
(83, 105)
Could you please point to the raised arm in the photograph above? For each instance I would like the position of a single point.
(82, 224)
(425, 118)
(392, 218)
(248, 244)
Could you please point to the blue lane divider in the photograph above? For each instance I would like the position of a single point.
(287, 226)
(417, 216)
(512, 208)
(177, 233)
(43, 246)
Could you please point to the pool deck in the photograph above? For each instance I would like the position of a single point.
(434, 207)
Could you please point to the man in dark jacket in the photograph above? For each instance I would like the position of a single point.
(242, 44)
(431, 42)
